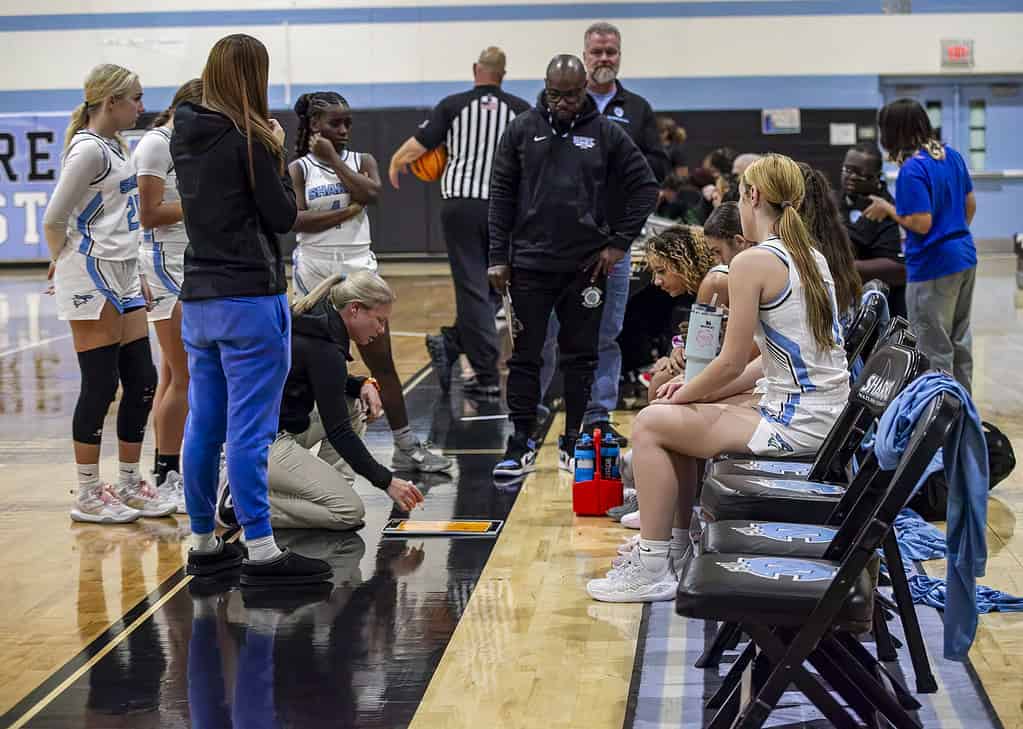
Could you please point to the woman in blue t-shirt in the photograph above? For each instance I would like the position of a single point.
(934, 204)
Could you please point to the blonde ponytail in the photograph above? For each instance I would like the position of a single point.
(103, 82)
(79, 121)
(780, 182)
(307, 302)
(362, 287)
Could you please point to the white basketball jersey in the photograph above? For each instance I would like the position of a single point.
(152, 157)
(325, 191)
(793, 363)
(105, 223)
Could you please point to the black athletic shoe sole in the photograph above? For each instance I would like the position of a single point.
(203, 565)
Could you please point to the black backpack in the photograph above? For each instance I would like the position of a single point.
(931, 501)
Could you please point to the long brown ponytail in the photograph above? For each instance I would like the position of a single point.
(780, 183)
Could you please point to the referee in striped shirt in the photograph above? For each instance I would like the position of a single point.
(470, 125)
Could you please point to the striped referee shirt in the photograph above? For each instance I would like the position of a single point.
(470, 124)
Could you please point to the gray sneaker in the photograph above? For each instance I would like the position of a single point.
(420, 458)
(630, 505)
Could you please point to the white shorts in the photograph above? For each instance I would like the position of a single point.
(83, 284)
(311, 266)
(165, 270)
(795, 425)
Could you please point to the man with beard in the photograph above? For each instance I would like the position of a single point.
(602, 54)
(877, 245)
(569, 193)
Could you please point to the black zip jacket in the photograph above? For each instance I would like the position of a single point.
(233, 227)
(634, 114)
(551, 192)
(319, 367)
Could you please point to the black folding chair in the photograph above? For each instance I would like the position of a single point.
(785, 517)
(897, 332)
(799, 610)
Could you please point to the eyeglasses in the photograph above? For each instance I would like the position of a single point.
(554, 96)
(854, 172)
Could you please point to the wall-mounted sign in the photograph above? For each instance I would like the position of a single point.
(956, 53)
(780, 121)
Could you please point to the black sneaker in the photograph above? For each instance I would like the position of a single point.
(441, 359)
(203, 564)
(288, 568)
(605, 428)
(225, 513)
(519, 458)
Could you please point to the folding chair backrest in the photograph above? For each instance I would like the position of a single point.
(897, 332)
(928, 437)
(886, 374)
(864, 330)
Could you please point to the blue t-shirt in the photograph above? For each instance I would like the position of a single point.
(602, 100)
(938, 187)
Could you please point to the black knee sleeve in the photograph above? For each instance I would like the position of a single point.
(138, 379)
(99, 385)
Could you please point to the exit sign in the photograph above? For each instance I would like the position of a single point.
(957, 53)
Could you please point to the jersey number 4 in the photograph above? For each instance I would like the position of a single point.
(133, 212)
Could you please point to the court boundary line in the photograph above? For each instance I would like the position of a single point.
(44, 694)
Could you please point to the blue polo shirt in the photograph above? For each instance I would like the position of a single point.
(938, 187)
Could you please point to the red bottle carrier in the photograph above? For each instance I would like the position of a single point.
(594, 498)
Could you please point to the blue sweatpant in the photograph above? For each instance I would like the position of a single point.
(239, 354)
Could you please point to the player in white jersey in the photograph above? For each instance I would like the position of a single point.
(333, 187)
(162, 257)
(92, 228)
(782, 295)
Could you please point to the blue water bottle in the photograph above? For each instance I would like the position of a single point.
(585, 459)
(609, 451)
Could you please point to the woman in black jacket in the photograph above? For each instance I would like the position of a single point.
(315, 491)
(236, 199)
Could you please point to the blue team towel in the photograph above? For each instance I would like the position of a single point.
(920, 541)
(964, 459)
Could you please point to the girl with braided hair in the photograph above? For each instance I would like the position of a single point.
(333, 187)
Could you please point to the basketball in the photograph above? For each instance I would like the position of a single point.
(430, 166)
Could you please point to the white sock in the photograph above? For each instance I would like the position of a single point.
(128, 474)
(88, 477)
(205, 542)
(679, 542)
(262, 549)
(653, 555)
(404, 438)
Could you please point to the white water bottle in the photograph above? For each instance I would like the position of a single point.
(703, 338)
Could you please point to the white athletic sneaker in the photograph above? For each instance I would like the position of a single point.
(419, 458)
(173, 490)
(631, 521)
(635, 583)
(101, 505)
(628, 545)
(141, 496)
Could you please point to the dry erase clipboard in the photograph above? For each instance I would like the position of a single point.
(453, 528)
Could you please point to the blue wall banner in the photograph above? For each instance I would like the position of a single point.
(30, 148)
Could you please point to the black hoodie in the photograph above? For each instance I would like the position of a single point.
(233, 226)
(319, 368)
(551, 191)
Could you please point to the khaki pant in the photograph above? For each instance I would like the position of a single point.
(314, 490)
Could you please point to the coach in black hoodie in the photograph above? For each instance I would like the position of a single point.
(553, 239)
(236, 200)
